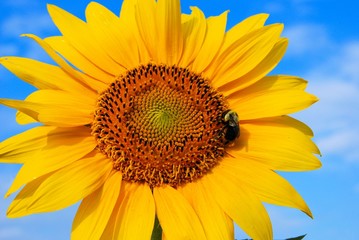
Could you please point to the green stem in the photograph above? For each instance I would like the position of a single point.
(157, 231)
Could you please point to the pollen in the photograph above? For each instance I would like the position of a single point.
(160, 125)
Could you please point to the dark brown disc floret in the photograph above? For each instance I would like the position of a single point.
(160, 125)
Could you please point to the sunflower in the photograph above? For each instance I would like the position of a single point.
(159, 116)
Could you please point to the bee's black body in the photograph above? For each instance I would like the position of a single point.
(231, 128)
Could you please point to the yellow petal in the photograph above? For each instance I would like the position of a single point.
(108, 232)
(26, 192)
(116, 38)
(94, 84)
(43, 75)
(66, 99)
(300, 126)
(57, 149)
(54, 107)
(136, 214)
(77, 33)
(216, 224)
(262, 101)
(113, 229)
(245, 54)
(177, 218)
(60, 45)
(266, 184)
(29, 109)
(62, 188)
(262, 69)
(128, 9)
(22, 147)
(23, 118)
(194, 31)
(145, 13)
(249, 24)
(269, 83)
(170, 43)
(128, 19)
(281, 143)
(96, 209)
(240, 204)
(216, 27)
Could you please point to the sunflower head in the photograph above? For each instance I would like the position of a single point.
(155, 114)
(160, 125)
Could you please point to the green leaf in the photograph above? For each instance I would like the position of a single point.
(297, 238)
(157, 230)
(294, 238)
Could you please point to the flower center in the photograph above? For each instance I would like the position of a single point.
(160, 125)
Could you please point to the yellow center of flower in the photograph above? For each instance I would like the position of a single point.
(160, 125)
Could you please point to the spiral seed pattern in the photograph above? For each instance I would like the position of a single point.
(160, 125)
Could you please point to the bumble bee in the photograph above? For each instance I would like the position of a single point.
(231, 127)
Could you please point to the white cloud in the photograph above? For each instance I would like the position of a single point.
(338, 142)
(341, 65)
(336, 116)
(34, 51)
(274, 7)
(16, 25)
(356, 188)
(287, 222)
(11, 233)
(8, 49)
(306, 39)
(297, 7)
(20, 3)
(350, 65)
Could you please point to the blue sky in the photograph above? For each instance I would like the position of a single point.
(323, 48)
